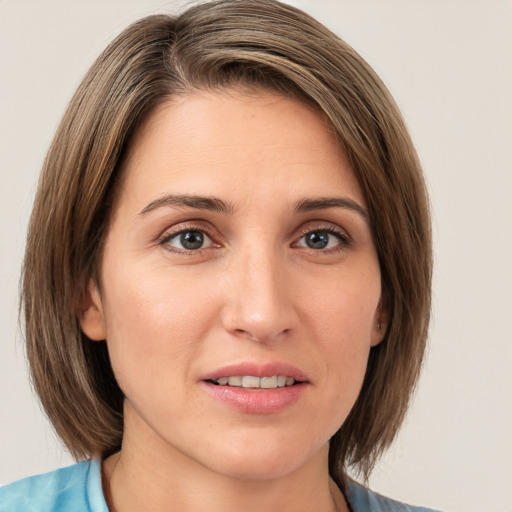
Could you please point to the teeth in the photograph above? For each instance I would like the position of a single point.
(268, 382)
(235, 381)
(249, 381)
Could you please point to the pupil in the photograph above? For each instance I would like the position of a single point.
(317, 240)
(192, 240)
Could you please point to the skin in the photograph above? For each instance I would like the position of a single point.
(254, 291)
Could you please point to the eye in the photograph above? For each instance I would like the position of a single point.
(321, 239)
(188, 240)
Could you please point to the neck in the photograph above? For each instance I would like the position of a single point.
(146, 477)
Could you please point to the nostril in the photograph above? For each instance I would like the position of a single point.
(260, 339)
(253, 338)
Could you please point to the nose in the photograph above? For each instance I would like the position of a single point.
(260, 303)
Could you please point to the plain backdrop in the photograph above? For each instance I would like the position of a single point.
(449, 65)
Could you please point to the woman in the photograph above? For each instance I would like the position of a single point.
(227, 276)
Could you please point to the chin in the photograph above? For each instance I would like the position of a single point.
(257, 471)
(261, 463)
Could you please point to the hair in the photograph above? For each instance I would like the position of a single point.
(260, 44)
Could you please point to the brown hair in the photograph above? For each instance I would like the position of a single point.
(220, 44)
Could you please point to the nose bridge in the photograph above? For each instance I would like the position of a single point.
(259, 306)
(260, 283)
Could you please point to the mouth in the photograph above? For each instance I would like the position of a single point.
(257, 388)
(254, 382)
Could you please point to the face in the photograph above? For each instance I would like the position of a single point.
(240, 286)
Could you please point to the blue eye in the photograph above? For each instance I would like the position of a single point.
(321, 239)
(189, 240)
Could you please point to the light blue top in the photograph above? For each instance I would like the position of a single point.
(78, 488)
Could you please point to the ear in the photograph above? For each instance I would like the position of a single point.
(380, 324)
(90, 314)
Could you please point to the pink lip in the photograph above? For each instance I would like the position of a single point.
(256, 401)
(257, 370)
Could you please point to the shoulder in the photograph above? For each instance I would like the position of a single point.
(362, 499)
(77, 488)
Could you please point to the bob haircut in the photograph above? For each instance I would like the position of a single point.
(256, 45)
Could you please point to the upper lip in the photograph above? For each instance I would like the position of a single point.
(257, 370)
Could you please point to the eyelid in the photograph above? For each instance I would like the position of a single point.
(322, 225)
(183, 227)
(342, 234)
(200, 225)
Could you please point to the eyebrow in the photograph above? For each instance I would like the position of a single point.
(198, 202)
(218, 205)
(306, 205)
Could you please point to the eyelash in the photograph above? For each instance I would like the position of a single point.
(169, 235)
(344, 240)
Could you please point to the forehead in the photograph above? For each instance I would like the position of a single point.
(223, 141)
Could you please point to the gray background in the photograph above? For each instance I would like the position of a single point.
(448, 63)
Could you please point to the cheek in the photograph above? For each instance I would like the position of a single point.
(155, 324)
(344, 309)
(343, 317)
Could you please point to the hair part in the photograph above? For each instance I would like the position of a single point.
(214, 46)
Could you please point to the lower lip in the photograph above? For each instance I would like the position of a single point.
(257, 401)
